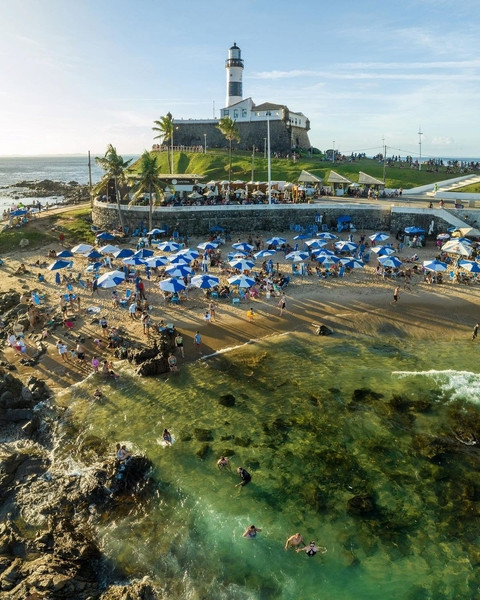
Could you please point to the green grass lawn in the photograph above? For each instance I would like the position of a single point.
(474, 188)
(214, 165)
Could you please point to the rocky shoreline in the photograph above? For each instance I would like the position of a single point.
(71, 192)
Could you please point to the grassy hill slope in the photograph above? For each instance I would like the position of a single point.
(214, 165)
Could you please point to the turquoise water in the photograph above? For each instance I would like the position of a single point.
(310, 447)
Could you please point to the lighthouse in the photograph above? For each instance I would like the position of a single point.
(234, 67)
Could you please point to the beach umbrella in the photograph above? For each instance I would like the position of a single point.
(414, 230)
(434, 265)
(81, 249)
(133, 261)
(190, 252)
(327, 260)
(156, 231)
(156, 261)
(124, 253)
(172, 284)
(352, 263)
(276, 241)
(469, 265)
(454, 247)
(378, 237)
(111, 279)
(264, 253)
(64, 254)
(105, 236)
(345, 246)
(205, 281)
(326, 235)
(179, 259)
(109, 249)
(302, 236)
(463, 231)
(94, 267)
(144, 253)
(383, 250)
(390, 261)
(217, 228)
(168, 247)
(297, 256)
(93, 255)
(178, 270)
(316, 243)
(207, 246)
(443, 236)
(243, 246)
(18, 213)
(59, 264)
(241, 280)
(238, 254)
(323, 252)
(242, 264)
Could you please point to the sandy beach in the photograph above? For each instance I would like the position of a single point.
(359, 303)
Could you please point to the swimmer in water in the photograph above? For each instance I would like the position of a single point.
(251, 532)
(223, 463)
(312, 549)
(167, 437)
(245, 477)
(294, 540)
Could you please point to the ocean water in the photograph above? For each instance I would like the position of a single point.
(312, 443)
(15, 169)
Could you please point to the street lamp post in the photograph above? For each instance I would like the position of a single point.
(269, 184)
(205, 139)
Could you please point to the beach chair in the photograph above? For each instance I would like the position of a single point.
(214, 295)
(124, 301)
(451, 276)
(174, 300)
(341, 271)
(235, 300)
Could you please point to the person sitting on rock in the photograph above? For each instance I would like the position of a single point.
(122, 453)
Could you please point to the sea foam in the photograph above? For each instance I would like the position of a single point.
(459, 385)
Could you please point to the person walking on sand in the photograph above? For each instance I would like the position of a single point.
(179, 344)
(197, 338)
(475, 331)
(212, 308)
(406, 284)
(396, 293)
(250, 315)
(282, 305)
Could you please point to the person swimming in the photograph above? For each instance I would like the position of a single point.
(167, 437)
(223, 463)
(312, 549)
(251, 532)
(245, 477)
(294, 540)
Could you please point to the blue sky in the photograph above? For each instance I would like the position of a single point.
(77, 75)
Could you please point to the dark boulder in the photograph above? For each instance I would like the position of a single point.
(361, 505)
(227, 400)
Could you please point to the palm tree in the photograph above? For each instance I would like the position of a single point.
(230, 130)
(115, 168)
(165, 129)
(147, 182)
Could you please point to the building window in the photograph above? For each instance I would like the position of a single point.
(235, 114)
(226, 113)
(244, 112)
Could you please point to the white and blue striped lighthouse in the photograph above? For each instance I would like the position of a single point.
(234, 67)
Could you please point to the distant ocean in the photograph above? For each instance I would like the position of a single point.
(14, 169)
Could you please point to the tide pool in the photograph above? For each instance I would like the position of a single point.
(317, 422)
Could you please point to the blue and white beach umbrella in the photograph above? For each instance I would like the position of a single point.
(168, 247)
(205, 281)
(302, 236)
(345, 246)
(327, 260)
(144, 253)
(434, 265)
(207, 246)
(264, 253)
(383, 250)
(323, 252)
(172, 284)
(155, 231)
(111, 279)
(81, 249)
(178, 270)
(276, 241)
(190, 252)
(109, 249)
(316, 244)
(297, 256)
(93, 255)
(414, 230)
(124, 253)
(326, 235)
(64, 254)
(352, 263)
(390, 261)
(469, 265)
(454, 247)
(105, 236)
(19, 212)
(94, 267)
(378, 237)
(59, 264)
(156, 261)
(241, 264)
(179, 259)
(134, 261)
(243, 246)
(242, 281)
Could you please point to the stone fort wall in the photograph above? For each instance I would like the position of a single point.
(191, 133)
